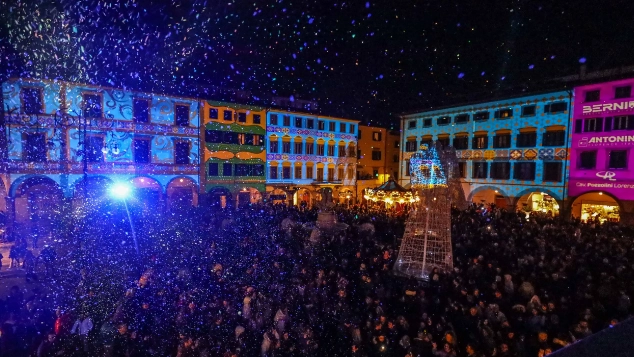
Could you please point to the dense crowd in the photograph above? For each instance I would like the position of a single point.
(241, 283)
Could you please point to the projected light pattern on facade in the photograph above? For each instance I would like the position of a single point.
(425, 168)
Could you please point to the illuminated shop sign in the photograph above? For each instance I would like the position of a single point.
(607, 140)
(608, 107)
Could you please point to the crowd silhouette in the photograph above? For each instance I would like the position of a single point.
(234, 283)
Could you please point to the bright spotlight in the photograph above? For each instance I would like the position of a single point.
(120, 190)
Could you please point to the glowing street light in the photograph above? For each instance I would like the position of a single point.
(120, 190)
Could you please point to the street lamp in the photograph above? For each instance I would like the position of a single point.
(121, 191)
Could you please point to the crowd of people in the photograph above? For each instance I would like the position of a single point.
(241, 283)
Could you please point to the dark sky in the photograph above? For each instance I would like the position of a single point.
(361, 59)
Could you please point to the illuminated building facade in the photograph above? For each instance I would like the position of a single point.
(234, 155)
(308, 156)
(601, 184)
(67, 140)
(377, 157)
(510, 152)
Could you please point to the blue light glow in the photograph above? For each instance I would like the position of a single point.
(426, 168)
(120, 190)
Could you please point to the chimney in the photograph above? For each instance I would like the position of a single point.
(582, 71)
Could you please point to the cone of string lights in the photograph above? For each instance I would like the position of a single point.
(426, 243)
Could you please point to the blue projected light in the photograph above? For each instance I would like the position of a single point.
(426, 168)
(120, 190)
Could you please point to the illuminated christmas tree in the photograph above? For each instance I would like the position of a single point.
(426, 243)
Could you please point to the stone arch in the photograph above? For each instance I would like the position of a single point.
(538, 189)
(148, 190)
(80, 182)
(248, 195)
(577, 212)
(181, 192)
(495, 189)
(219, 196)
(37, 198)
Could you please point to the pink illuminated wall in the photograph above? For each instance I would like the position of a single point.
(603, 124)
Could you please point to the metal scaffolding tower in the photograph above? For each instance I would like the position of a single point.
(426, 243)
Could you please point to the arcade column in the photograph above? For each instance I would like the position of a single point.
(10, 203)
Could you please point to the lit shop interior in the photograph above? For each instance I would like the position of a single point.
(596, 205)
(538, 202)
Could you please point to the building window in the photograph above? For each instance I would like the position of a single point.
(273, 147)
(623, 92)
(242, 117)
(525, 140)
(621, 123)
(342, 127)
(320, 149)
(350, 173)
(340, 173)
(411, 124)
(227, 169)
(242, 170)
(257, 118)
(286, 172)
(310, 123)
(331, 126)
(321, 125)
(213, 113)
(462, 169)
(141, 151)
(443, 141)
(593, 95)
(341, 151)
(310, 148)
(554, 138)
(299, 147)
(273, 119)
(32, 101)
(376, 155)
(309, 172)
(524, 171)
(273, 172)
(461, 142)
(587, 160)
(427, 123)
(375, 173)
(502, 141)
(427, 141)
(331, 149)
(558, 107)
(410, 145)
(94, 145)
(528, 110)
(480, 116)
(331, 174)
(618, 159)
(501, 170)
(182, 115)
(395, 158)
(352, 128)
(286, 147)
(443, 120)
(298, 172)
(320, 174)
(480, 142)
(503, 113)
(227, 115)
(141, 110)
(181, 152)
(552, 171)
(480, 170)
(376, 136)
(286, 120)
(213, 169)
(462, 118)
(593, 125)
(408, 170)
(92, 106)
(299, 122)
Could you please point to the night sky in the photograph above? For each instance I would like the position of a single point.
(359, 59)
